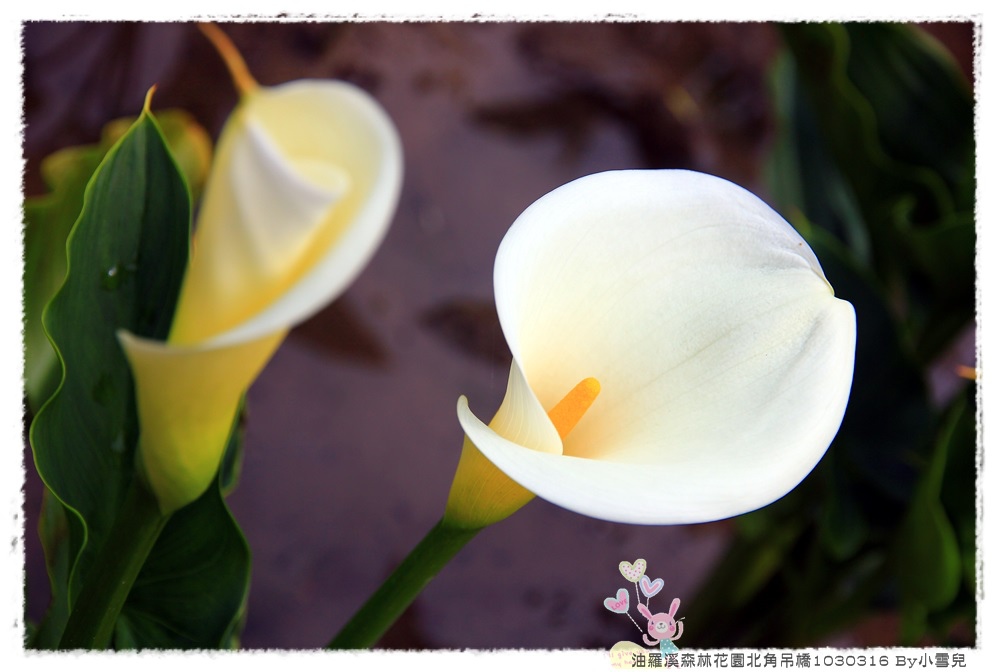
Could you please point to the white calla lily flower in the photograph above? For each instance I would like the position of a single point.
(722, 357)
(303, 186)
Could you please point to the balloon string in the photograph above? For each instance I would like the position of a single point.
(633, 621)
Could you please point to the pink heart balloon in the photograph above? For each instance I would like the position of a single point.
(618, 603)
(650, 588)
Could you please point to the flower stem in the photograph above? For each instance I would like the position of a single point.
(95, 610)
(402, 587)
(242, 79)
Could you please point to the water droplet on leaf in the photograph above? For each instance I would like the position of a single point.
(112, 278)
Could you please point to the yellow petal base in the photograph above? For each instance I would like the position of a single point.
(187, 399)
(481, 494)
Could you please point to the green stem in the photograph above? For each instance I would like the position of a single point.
(399, 590)
(96, 608)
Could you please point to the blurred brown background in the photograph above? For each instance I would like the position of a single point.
(352, 437)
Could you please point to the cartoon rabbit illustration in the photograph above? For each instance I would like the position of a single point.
(662, 627)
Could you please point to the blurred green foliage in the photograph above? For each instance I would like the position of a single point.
(109, 249)
(874, 164)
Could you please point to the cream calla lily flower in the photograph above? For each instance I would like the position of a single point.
(716, 360)
(305, 181)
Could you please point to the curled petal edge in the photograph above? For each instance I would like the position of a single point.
(352, 250)
(353, 228)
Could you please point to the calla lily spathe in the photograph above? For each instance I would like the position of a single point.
(304, 183)
(722, 358)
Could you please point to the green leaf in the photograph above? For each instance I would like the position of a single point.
(127, 255)
(49, 218)
(126, 258)
(958, 489)
(188, 141)
(927, 553)
(803, 178)
(928, 559)
(890, 63)
(194, 585)
(895, 112)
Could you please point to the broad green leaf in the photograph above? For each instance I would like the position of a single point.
(958, 485)
(803, 178)
(958, 494)
(126, 258)
(127, 255)
(895, 112)
(194, 584)
(187, 140)
(928, 557)
(890, 63)
(49, 218)
(912, 622)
